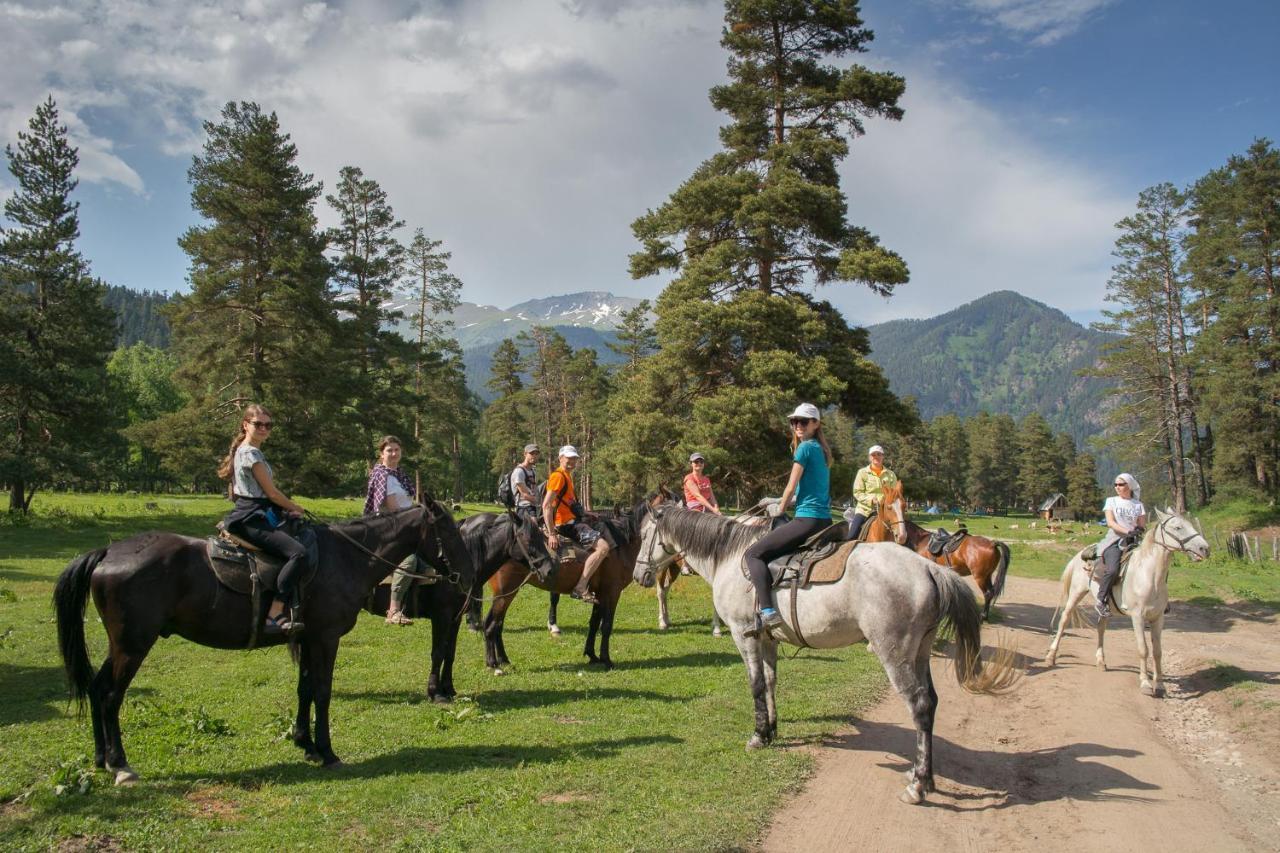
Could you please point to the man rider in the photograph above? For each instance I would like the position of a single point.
(564, 518)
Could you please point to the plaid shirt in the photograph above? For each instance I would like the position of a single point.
(377, 491)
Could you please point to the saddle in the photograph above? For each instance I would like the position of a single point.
(820, 559)
(246, 569)
(942, 543)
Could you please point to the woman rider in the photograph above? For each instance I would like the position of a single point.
(868, 487)
(810, 484)
(260, 513)
(389, 489)
(1126, 517)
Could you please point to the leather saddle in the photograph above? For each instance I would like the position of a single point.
(820, 559)
(236, 563)
(942, 543)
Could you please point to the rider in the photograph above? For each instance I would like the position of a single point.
(389, 490)
(524, 482)
(564, 516)
(868, 488)
(260, 514)
(1126, 518)
(697, 487)
(810, 483)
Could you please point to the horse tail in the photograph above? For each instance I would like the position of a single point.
(1002, 570)
(1072, 617)
(69, 597)
(958, 610)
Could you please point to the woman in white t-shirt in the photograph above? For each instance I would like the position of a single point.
(1126, 518)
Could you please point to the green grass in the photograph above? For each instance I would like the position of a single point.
(1037, 553)
(553, 755)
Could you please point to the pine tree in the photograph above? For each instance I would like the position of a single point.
(636, 338)
(993, 461)
(951, 451)
(507, 421)
(55, 330)
(1037, 461)
(257, 325)
(1084, 498)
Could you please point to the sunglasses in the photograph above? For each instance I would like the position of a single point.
(801, 421)
(699, 462)
(1118, 485)
(262, 424)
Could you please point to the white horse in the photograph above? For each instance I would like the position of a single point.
(889, 596)
(753, 517)
(1142, 594)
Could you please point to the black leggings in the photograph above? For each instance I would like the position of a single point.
(855, 526)
(775, 543)
(279, 544)
(1111, 559)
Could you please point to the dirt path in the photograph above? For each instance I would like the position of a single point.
(1074, 758)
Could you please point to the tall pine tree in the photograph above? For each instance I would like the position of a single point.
(55, 331)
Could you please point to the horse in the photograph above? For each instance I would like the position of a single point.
(887, 595)
(608, 582)
(157, 584)
(491, 539)
(987, 560)
(1143, 592)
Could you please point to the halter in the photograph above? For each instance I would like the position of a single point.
(1162, 531)
(656, 539)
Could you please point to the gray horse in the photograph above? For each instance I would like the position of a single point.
(889, 596)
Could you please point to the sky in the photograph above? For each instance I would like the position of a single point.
(529, 134)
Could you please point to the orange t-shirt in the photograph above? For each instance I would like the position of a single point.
(555, 483)
(697, 492)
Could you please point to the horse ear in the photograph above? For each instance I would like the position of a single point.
(1168, 510)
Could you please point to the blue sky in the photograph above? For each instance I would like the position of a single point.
(529, 135)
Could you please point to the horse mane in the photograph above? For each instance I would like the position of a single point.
(705, 535)
(477, 531)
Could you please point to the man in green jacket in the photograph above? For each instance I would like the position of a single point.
(868, 486)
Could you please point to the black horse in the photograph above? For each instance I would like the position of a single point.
(156, 584)
(492, 540)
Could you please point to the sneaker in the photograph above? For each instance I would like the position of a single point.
(1102, 610)
(766, 620)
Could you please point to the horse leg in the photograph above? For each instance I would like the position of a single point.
(1072, 602)
(1100, 659)
(97, 690)
(439, 652)
(769, 664)
(306, 696)
(715, 622)
(494, 654)
(475, 614)
(552, 627)
(321, 658)
(749, 648)
(124, 667)
(664, 619)
(912, 680)
(1157, 625)
(1140, 635)
(606, 631)
(589, 647)
(988, 594)
(448, 627)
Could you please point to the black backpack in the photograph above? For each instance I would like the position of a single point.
(505, 496)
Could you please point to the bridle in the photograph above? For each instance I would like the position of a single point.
(890, 525)
(669, 556)
(431, 517)
(1162, 531)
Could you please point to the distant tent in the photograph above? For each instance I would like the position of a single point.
(1056, 508)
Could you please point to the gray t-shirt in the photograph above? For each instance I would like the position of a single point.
(526, 478)
(246, 485)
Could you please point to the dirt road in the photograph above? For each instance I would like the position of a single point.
(1075, 758)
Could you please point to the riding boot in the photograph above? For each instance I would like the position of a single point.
(296, 625)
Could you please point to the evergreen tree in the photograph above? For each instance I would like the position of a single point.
(1084, 498)
(951, 453)
(636, 338)
(257, 325)
(1235, 262)
(55, 330)
(993, 461)
(143, 386)
(507, 421)
(1037, 461)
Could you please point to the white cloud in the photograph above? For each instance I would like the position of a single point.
(528, 136)
(1043, 22)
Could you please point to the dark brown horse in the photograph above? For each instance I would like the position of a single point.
(608, 582)
(986, 560)
(156, 584)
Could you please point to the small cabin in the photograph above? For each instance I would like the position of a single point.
(1055, 508)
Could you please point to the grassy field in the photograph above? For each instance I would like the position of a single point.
(554, 755)
(1038, 553)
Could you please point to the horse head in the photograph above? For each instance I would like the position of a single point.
(1175, 532)
(441, 544)
(893, 512)
(529, 546)
(656, 554)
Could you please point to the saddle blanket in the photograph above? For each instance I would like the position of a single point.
(822, 562)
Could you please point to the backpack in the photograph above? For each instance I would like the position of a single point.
(541, 492)
(506, 497)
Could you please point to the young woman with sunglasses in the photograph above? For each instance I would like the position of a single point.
(260, 512)
(390, 489)
(810, 484)
(1126, 517)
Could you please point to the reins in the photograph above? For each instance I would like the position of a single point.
(451, 577)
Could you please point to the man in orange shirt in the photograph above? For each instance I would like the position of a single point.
(564, 517)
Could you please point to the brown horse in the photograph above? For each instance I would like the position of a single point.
(608, 582)
(986, 560)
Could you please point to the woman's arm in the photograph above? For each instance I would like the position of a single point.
(796, 471)
(1116, 526)
(277, 497)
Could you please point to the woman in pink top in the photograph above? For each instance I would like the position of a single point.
(697, 487)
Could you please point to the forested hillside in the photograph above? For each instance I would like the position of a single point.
(139, 316)
(1003, 353)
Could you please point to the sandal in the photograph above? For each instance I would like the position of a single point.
(278, 624)
(586, 596)
(398, 618)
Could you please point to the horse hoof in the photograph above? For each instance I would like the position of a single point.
(913, 795)
(715, 632)
(1050, 659)
(1158, 693)
(126, 776)
(498, 671)
(333, 764)
(554, 630)
(755, 743)
(313, 756)
(662, 627)
(441, 699)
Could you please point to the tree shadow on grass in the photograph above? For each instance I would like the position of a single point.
(689, 659)
(1003, 779)
(511, 700)
(32, 693)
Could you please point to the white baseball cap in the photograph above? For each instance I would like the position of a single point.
(695, 455)
(806, 410)
(875, 448)
(569, 450)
